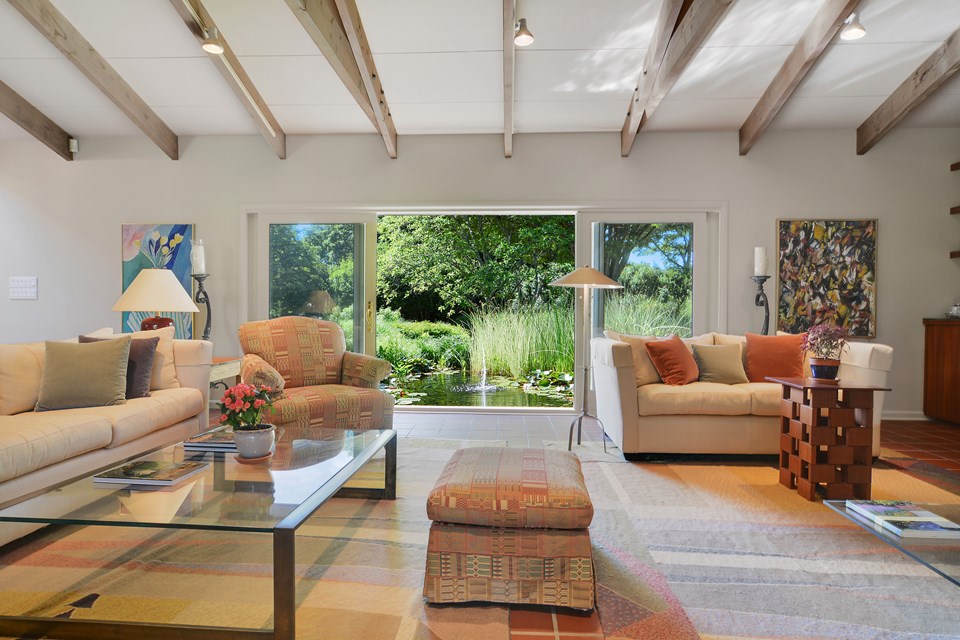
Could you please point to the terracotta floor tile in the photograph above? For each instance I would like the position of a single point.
(531, 620)
(578, 623)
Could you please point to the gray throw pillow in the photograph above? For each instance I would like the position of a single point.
(84, 375)
(139, 365)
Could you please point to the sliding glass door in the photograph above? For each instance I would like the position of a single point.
(317, 266)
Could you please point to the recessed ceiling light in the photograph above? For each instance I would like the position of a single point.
(852, 29)
(523, 36)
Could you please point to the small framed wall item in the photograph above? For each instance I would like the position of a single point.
(827, 272)
(158, 246)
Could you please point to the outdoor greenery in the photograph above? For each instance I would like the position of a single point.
(471, 294)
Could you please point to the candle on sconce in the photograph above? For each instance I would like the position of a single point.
(198, 260)
(759, 261)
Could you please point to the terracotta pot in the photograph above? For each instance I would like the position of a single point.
(824, 368)
(254, 443)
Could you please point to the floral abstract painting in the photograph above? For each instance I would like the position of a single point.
(158, 246)
(827, 273)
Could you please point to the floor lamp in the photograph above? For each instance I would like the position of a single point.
(588, 279)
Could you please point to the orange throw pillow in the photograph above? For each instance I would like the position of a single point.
(673, 361)
(778, 356)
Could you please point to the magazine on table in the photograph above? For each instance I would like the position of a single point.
(906, 519)
(217, 440)
(149, 472)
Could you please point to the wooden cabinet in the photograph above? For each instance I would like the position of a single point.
(941, 369)
(955, 210)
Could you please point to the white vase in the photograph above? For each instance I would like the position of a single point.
(254, 443)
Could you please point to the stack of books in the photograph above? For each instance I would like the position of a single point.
(906, 519)
(150, 473)
(217, 440)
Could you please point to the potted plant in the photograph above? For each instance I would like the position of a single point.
(825, 343)
(242, 407)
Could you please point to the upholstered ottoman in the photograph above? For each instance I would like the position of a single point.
(510, 525)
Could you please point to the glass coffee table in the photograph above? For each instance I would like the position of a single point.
(307, 468)
(942, 555)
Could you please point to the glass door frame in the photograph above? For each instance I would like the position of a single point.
(365, 268)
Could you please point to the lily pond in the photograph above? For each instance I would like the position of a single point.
(460, 389)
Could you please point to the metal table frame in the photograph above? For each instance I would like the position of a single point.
(284, 574)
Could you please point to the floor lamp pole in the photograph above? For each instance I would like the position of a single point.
(585, 381)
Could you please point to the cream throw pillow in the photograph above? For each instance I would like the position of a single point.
(21, 370)
(164, 375)
(646, 373)
(84, 375)
(720, 363)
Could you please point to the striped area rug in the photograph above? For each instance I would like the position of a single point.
(683, 549)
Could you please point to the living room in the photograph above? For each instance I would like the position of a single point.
(791, 568)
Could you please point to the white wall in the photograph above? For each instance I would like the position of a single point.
(61, 221)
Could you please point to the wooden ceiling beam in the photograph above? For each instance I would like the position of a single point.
(353, 27)
(322, 21)
(64, 36)
(509, 72)
(233, 72)
(927, 78)
(820, 32)
(697, 20)
(31, 120)
(666, 24)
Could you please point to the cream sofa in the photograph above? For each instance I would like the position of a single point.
(43, 449)
(706, 417)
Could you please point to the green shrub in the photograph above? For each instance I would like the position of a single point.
(407, 345)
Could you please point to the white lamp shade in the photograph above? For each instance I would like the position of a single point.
(155, 290)
(586, 277)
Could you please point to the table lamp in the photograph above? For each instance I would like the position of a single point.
(156, 290)
(588, 279)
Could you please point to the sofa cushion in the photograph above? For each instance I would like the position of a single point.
(140, 416)
(643, 367)
(139, 364)
(512, 487)
(84, 375)
(673, 360)
(333, 406)
(764, 397)
(21, 370)
(719, 363)
(31, 441)
(774, 356)
(696, 398)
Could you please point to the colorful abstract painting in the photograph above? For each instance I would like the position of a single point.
(158, 246)
(827, 273)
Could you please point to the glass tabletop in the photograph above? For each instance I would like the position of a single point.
(224, 495)
(939, 554)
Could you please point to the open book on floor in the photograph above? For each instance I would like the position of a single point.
(148, 472)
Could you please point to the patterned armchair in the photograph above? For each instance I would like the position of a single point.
(324, 385)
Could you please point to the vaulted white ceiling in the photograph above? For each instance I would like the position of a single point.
(441, 65)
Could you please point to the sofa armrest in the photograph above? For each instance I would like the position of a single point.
(361, 370)
(615, 382)
(193, 358)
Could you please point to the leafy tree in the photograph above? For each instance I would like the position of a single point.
(435, 267)
(311, 268)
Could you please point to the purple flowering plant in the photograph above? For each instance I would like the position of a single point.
(825, 341)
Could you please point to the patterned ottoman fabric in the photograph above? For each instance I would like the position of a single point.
(333, 406)
(503, 487)
(519, 566)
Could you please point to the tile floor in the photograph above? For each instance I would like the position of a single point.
(935, 442)
(518, 430)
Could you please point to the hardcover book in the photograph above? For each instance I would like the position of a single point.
(880, 510)
(939, 528)
(148, 472)
(218, 440)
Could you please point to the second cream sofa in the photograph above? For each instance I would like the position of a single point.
(707, 417)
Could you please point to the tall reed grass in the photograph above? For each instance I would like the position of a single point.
(639, 315)
(515, 342)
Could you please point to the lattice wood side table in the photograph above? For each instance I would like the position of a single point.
(826, 438)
